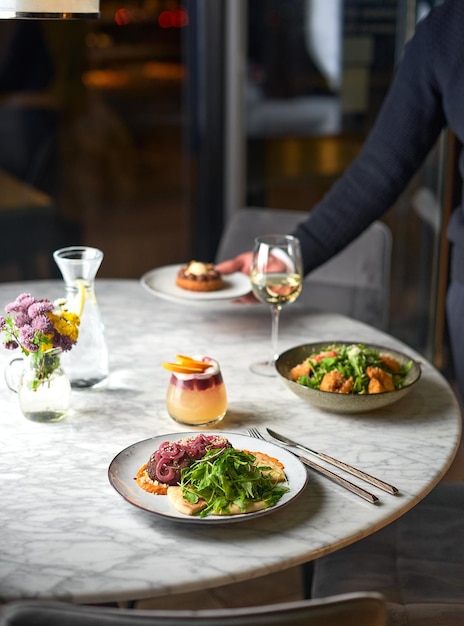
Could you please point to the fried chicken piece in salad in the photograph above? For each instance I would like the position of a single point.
(390, 362)
(380, 381)
(302, 369)
(336, 383)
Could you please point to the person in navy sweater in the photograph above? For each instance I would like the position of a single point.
(425, 97)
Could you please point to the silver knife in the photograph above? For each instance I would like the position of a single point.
(359, 491)
(372, 480)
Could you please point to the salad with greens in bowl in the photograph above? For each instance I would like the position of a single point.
(348, 377)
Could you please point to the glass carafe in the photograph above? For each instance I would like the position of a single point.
(87, 363)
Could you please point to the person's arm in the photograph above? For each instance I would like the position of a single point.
(406, 129)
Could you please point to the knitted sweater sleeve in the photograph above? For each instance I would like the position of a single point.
(405, 130)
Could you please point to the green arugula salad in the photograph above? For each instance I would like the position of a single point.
(233, 479)
(353, 368)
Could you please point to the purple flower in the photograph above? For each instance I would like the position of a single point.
(39, 307)
(21, 319)
(26, 338)
(63, 342)
(42, 324)
(28, 325)
(22, 303)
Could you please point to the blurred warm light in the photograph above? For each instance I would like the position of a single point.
(291, 158)
(175, 18)
(123, 17)
(179, 18)
(99, 40)
(107, 79)
(164, 71)
(135, 76)
(330, 158)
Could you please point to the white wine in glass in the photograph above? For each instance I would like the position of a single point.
(276, 278)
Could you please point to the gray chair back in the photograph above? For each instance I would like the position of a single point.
(355, 282)
(360, 609)
(416, 563)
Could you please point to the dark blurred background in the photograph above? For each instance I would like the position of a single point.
(142, 132)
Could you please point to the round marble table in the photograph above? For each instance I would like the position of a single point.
(67, 534)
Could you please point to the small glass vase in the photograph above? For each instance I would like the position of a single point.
(43, 388)
(87, 363)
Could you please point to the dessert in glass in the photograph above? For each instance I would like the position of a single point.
(196, 394)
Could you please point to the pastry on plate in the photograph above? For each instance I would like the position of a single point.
(197, 276)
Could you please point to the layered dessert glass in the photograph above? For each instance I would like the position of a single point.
(197, 398)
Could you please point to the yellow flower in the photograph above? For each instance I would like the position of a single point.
(38, 325)
(66, 324)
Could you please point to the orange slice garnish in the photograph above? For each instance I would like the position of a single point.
(182, 369)
(188, 361)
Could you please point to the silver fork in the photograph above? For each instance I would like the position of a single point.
(359, 491)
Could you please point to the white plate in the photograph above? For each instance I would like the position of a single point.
(161, 282)
(123, 469)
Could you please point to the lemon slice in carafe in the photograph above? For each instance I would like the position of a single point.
(79, 300)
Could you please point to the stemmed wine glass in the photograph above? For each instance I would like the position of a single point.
(276, 278)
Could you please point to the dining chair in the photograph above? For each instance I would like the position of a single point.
(356, 609)
(355, 282)
(416, 563)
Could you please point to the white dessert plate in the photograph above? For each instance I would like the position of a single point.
(124, 467)
(161, 282)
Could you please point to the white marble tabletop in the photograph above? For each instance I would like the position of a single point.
(67, 534)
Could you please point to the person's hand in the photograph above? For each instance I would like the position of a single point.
(241, 263)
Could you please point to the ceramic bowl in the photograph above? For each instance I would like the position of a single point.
(338, 402)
